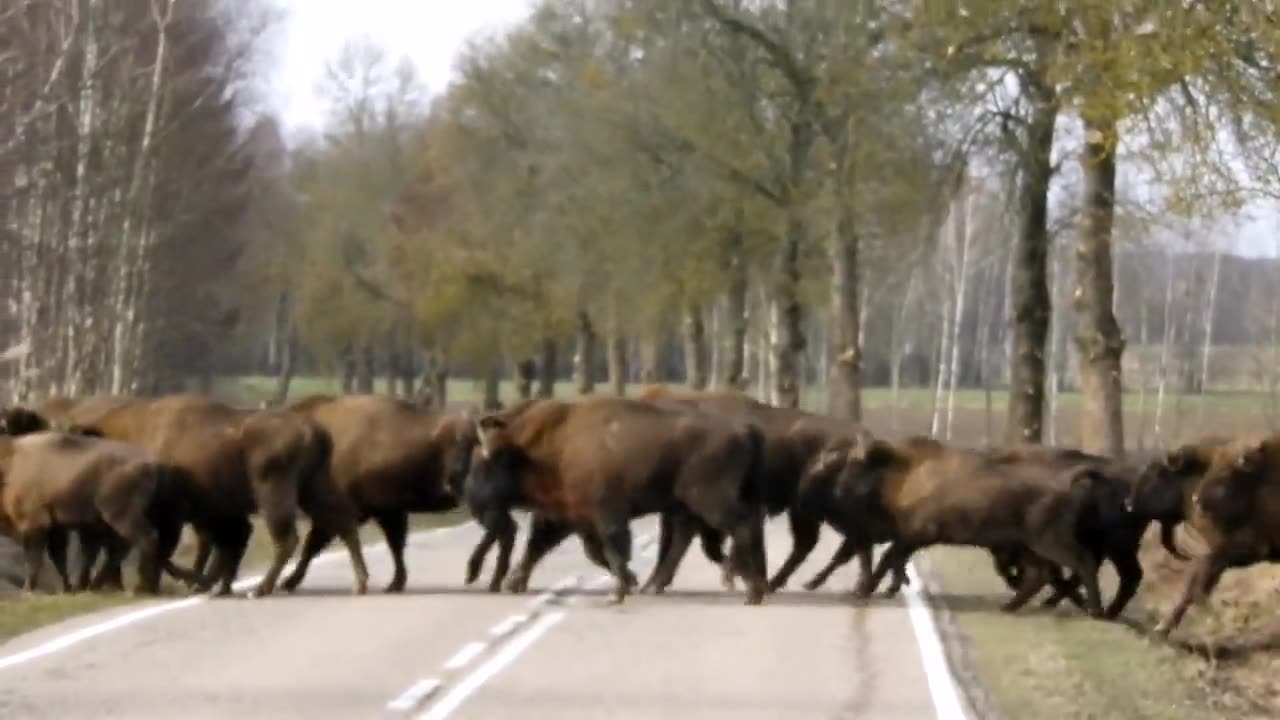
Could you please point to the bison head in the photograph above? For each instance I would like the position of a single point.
(1228, 492)
(496, 463)
(1159, 492)
(861, 465)
(21, 421)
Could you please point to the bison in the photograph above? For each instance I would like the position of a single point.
(933, 494)
(793, 441)
(1234, 506)
(234, 463)
(390, 458)
(592, 466)
(53, 481)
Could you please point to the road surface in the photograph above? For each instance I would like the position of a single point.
(441, 650)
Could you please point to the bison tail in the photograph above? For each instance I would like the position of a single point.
(751, 491)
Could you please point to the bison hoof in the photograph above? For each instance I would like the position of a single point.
(395, 586)
(754, 599)
(812, 585)
(517, 584)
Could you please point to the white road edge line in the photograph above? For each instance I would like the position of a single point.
(488, 670)
(414, 696)
(78, 636)
(465, 655)
(510, 623)
(942, 684)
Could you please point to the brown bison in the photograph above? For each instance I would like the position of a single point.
(234, 463)
(1235, 507)
(390, 458)
(793, 441)
(592, 466)
(53, 481)
(933, 494)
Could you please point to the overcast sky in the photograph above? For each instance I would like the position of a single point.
(430, 32)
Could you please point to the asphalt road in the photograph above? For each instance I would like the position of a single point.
(441, 650)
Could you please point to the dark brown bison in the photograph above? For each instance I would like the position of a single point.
(1164, 489)
(1235, 508)
(793, 441)
(53, 481)
(933, 494)
(234, 463)
(390, 458)
(1106, 525)
(592, 466)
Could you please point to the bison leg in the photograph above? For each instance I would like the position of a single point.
(204, 548)
(284, 535)
(664, 549)
(318, 537)
(1201, 581)
(504, 528)
(1064, 588)
(544, 535)
(804, 534)
(395, 526)
(843, 554)
(682, 529)
(616, 534)
(111, 575)
(229, 543)
(90, 547)
(1082, 563)
(34, 544)
(475, 563)
(1130, 571)
(593, 548)
(350, 537)
(1032, 578)
(58, 541)
(748, 556)
(896, 556)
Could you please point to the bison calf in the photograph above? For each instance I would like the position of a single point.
(51, 481)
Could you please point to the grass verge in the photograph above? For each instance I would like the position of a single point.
(1056, 663)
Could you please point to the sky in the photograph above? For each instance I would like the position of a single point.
(429, 32)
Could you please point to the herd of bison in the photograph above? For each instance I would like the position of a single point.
(126, 474)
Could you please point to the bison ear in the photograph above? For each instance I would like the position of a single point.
(878, 453)
(829, 460)
(1250, 458)
(487, 429)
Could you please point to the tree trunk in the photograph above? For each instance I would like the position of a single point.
(392, 366)
(961, 265)
(650, 367)
(440, 384)
(844, 397)
(492, 388)
(736, 317)
(897, 348)
(789, 345)
(1166, 344)
(1099, 341)
(287, 361)
(1031, 304)
(526, 372)
(697, 355)
(585, 355)
(347, 359)
(366, 369)
(618, 370)
(547, 369)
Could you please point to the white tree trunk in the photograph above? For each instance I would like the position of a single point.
(960, 265)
